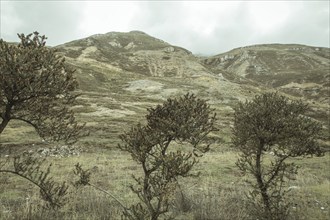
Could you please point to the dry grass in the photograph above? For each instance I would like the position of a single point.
(218, 193)
(109, 107)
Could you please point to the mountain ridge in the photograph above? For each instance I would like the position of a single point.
(274, 65)
(121, 75)
(136, 70)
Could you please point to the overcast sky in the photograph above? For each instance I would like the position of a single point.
(203, 27)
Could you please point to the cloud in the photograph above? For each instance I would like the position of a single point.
(308, 23)
(59, 21)
(204, 27)
(211, 27)
(106, 16)
(197, 26)
(304, 23)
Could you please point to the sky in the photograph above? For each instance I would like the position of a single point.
(203, 27)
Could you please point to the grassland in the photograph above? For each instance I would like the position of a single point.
(217, 193)
(111, 101)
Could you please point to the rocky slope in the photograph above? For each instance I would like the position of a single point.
(295, 69)
(122, 74)
(135, 51)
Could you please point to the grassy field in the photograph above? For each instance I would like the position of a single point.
(218, 193)
(109, 104)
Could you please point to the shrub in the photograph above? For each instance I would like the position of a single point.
(267, 131)
(180, 122)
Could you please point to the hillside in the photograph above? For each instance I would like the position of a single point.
(295, 69)
(133, 71)
(122, 74)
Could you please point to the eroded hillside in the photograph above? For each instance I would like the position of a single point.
(123, 74)
(295, 69)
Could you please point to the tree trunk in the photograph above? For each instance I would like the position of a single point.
(3, 124)
(261, 184)
(5, 118)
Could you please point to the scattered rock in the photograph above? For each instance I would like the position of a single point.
(293, 187)
(131, 45)
(169, 49)
(58, 151)
(115, 44)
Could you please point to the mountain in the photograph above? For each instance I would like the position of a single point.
(123, 74)
(295, 69)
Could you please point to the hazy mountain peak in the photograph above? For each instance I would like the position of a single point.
(293, 68)
(137, 66)
(120, 41)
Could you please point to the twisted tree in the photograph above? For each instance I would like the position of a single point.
(37, 87)
(267, 131)
(157, 147)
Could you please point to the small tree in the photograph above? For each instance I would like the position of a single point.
(268, 130)
(30, 168)
(37, 87)
(184, 121)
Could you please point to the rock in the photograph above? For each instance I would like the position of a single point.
(115, 44)
(293, 187)
(131, 45)
(169, 49)
(57, 151)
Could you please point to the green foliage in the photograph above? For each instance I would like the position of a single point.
(37, 87)
(185, 121)
(267, 131)
(30, 168)
(84, 175)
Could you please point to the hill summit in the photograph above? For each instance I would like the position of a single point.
(135, 70)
